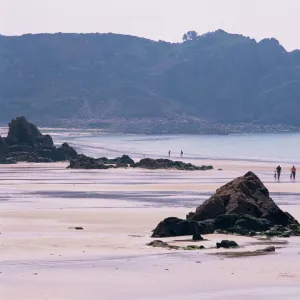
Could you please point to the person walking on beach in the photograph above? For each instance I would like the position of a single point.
(169, 153)
(278, 171)
(181, 153)
(293, 172)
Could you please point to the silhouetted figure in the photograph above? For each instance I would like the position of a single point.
(278, 171)
(293, 173)
(181, 153)
(169, 153)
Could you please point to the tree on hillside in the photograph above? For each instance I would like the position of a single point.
(190, 36)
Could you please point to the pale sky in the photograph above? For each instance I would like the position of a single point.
(155, 19)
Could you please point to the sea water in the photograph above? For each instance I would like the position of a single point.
(272, 147)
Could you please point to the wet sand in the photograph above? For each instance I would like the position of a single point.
(118, 209)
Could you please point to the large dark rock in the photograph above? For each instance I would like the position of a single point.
(21, 132)
(153, 164)
(25, 143)
(245, 195)
(178, 227)
(243, 206)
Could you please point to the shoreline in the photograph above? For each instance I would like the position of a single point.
(95, 143)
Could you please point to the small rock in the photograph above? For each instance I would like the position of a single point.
(76, 228)
(227, 244)
(161, 244)
(197, 237)
(158, 243)
(267, 249)
(193, 247)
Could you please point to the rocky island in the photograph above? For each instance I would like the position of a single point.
(25, 143)
(242, 206)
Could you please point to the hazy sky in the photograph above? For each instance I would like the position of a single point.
(155, 19)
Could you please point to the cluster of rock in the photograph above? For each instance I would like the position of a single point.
(25, 143)
(226, 244)
(153, 164)
(243, 206)
(161, 244)
(85, 162)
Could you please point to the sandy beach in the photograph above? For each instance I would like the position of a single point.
(43, 257)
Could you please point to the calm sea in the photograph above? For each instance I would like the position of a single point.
(276, 147)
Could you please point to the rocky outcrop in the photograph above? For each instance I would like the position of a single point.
(25, 143)
(153, 164)
(85, 162)
(243, 206)
(245, 195)
(21, 132)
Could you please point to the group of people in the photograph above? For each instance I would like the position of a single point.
(279, 170)
(181, 153)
